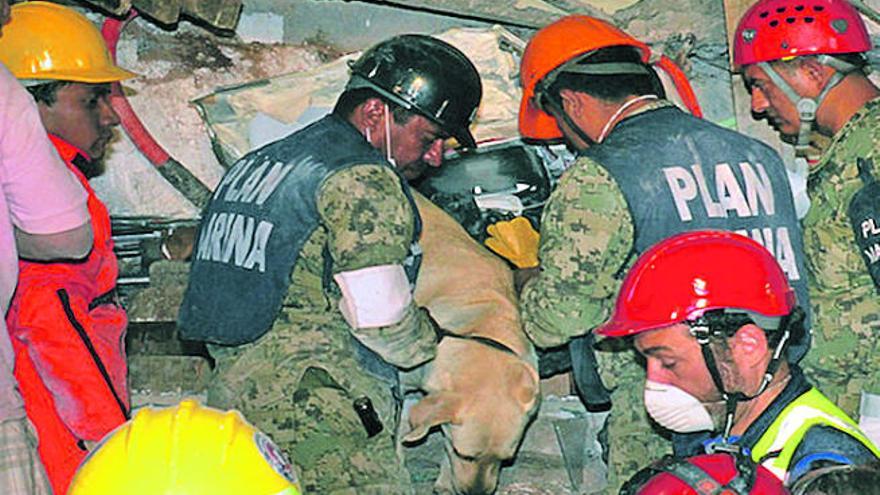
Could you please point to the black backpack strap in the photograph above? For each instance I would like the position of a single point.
(585, 370)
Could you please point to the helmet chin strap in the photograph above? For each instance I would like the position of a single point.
(700, 329)
(558, 111)
(807, 107)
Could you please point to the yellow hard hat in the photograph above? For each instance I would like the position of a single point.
(185, 450)
(46, 41)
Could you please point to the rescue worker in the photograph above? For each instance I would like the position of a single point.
(43, 216)
(804, 66)
(302, 274)
(186, 449)
(712, 312)
(725, 473)
(645, 170)
(66, 324)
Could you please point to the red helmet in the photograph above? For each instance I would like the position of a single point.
(685, 275)
(778, 29)
(722, 474)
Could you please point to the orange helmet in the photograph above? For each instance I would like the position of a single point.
(558, 46)
(680, 278)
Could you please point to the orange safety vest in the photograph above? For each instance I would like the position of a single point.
(68, 333)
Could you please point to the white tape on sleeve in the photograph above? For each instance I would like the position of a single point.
(375, 296)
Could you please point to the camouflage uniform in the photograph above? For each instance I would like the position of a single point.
(846, 357)
(586, 233)
(298, 381)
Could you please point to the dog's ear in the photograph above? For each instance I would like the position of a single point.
(524, 386)
(433, 410)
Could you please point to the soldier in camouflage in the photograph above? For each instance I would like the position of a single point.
(302, 275)
(645, 171)
(806, 75)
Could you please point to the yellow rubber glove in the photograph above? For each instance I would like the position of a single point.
(515, 240)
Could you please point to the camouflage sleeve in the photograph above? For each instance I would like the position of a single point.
(586, 233)
(369, 222)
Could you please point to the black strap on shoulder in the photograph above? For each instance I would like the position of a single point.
(109, 297)
(585, 370)
(696, 478)
(64, 298)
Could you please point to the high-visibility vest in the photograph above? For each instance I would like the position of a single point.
(785, 434)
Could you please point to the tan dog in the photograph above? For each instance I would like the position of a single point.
(481, 394)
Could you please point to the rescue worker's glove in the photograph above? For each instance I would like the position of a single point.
(515, 240)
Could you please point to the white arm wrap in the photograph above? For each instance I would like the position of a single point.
(376, 296)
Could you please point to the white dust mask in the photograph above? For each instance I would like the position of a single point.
(675, 409)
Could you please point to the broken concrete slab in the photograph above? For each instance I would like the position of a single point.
(166, 380)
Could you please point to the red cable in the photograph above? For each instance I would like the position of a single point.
(131, 123)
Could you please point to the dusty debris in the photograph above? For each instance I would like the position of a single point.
(656, 20)
(242, 117)
(218, 14)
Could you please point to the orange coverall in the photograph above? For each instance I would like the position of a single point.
(68, 333)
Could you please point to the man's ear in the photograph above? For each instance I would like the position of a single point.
(815, 72)
(750, 343)
(572, 102)
(47, 116)
(372, 111)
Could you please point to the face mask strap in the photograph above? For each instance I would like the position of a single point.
(388, 137)
(619, 111)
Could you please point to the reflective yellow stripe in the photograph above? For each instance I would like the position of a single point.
(788, 430)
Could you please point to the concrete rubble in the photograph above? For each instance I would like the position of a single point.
(190, 62)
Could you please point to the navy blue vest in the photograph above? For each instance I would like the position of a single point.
(253, 229)
(680, 173)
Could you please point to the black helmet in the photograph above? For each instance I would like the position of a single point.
(425, 75)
